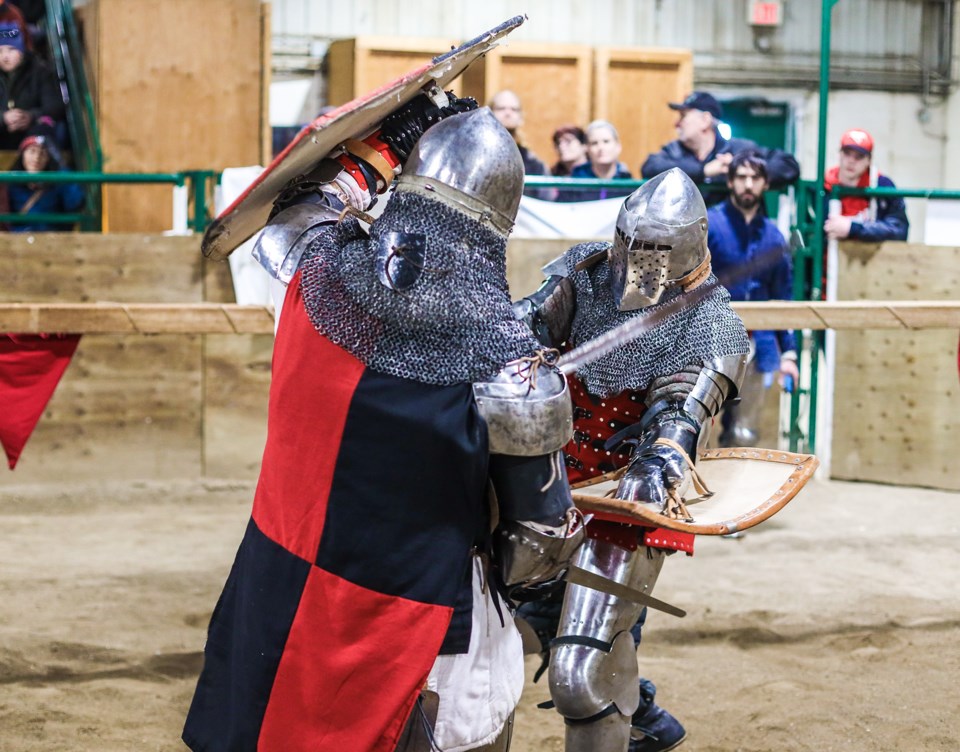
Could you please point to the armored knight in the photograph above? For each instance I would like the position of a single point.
(403, 390)
(647, 406)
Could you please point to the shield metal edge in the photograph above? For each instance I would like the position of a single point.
(634, 513)
(357, 118)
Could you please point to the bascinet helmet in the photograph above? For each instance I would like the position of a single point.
(661, 237)
(470, 162)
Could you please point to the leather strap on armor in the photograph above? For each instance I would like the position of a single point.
(377, 154)
(693, 279)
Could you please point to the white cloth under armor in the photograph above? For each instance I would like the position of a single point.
(481, 688)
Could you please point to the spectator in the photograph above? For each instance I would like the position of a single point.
(704, 154)
(862, 218)
(739, 233)
(28, 90)
(603, 155)
(570, 141)
(507, 109)
(38, 154)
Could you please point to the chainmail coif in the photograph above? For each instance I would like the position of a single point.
(455, 325)
(710, 329)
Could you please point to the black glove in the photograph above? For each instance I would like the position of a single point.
(403, 128)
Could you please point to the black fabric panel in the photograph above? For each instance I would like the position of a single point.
(408, 500)
(245, 640)
(457, 639)
(518, 480)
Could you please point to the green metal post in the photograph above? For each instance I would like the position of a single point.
(816, 244)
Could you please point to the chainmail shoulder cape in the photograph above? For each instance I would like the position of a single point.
(691, 336)
(453, 326)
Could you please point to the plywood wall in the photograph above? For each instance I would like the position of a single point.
(897, 394)
(152, 406)
(632, 88)
(558, 84)
(179, 86)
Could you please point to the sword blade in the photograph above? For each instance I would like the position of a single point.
(579, 576)
(596, 348)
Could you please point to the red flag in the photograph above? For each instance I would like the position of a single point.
(30, 369)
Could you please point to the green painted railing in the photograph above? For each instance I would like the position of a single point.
(197, 180)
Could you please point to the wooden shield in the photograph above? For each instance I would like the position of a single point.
(749, 486)
(355, 119)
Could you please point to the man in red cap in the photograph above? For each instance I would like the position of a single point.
(863, 218)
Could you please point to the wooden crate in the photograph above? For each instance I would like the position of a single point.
(361, 64)
(631, 89)
(553, 82)
(896, 393)
(178, 85)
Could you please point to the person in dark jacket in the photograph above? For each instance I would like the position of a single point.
(28, 89)
(863, 218)
(37, 154)
(570, 141)
(739, 233)
(506, 108)
(705, 155)
(603, 162)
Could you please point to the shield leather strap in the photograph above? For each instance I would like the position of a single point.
(373, 158)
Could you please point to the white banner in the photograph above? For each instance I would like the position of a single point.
(251, 283)
(582, 219)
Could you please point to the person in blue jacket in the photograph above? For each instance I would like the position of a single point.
(38, 154)
(705, 155)
(740, 232)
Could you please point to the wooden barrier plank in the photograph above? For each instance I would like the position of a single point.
(221, 318)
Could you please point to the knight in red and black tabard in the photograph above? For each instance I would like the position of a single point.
(645, 406)
(403, 389)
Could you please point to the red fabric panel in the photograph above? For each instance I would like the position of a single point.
(371, 670)
(303, 432)
(672, 540)
(30, 369)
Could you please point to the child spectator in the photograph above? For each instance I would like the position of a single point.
(38, 154)
(28, 89)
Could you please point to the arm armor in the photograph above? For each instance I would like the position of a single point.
(529, 419)
(678, 409)
(549, 311)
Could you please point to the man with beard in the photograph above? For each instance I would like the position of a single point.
(739, 232)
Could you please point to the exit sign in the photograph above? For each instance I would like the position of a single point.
(769, 13)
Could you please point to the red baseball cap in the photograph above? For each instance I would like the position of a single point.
(858, 139)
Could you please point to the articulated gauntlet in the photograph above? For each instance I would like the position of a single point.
(679, 409)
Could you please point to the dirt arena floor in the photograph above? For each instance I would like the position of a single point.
(834, 626)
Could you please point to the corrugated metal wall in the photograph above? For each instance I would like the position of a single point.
(883, 44)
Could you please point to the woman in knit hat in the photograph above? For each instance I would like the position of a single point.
(28, 89)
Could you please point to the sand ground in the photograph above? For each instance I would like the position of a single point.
(834, 626)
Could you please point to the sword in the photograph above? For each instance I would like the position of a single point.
(594, 581)
(596, 348)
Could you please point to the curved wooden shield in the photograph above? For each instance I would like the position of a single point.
(355, 119)
(749, 486)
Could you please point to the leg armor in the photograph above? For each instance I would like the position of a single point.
(593, 663)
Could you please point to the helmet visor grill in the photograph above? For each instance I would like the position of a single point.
(644, 275)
